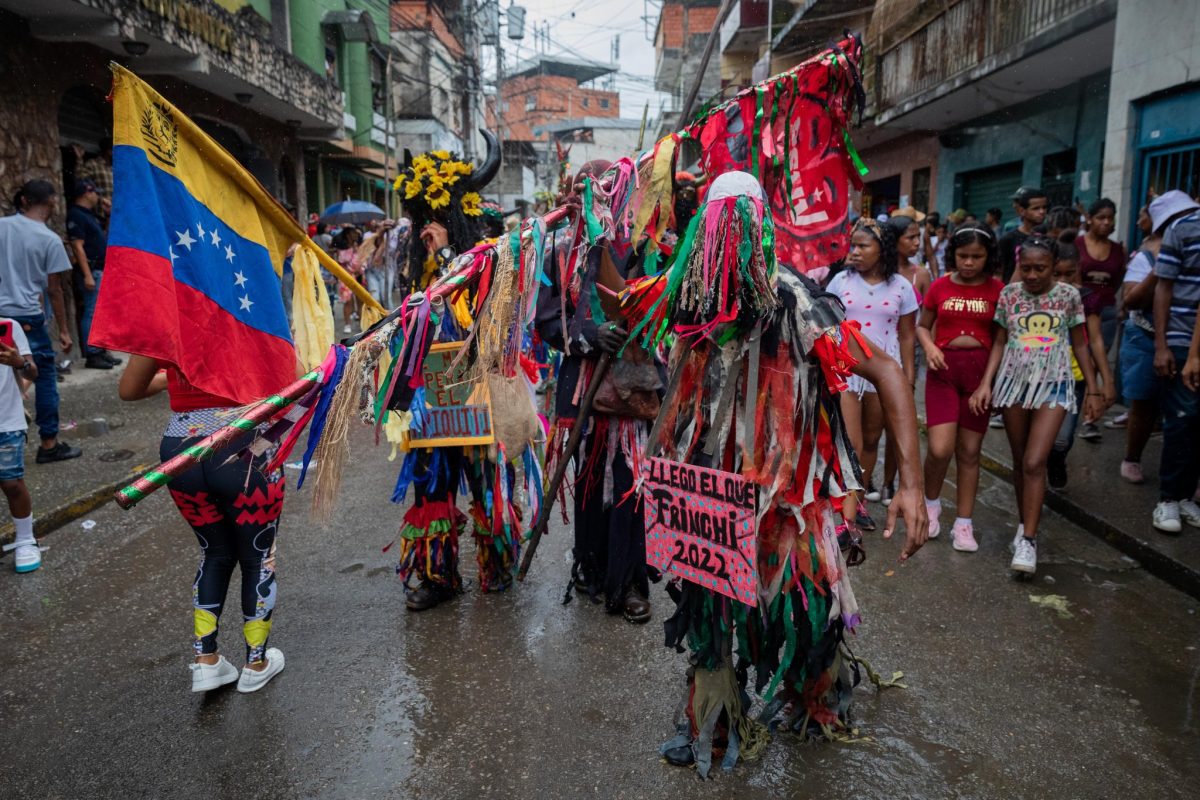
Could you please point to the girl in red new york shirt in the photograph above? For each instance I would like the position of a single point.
(955, 331)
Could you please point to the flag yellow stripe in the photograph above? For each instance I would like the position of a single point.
(142, 118)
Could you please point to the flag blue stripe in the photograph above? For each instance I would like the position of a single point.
(155, 213)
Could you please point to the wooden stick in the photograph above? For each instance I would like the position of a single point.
(204, 449)
(560, 470)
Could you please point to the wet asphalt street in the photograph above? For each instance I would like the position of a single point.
(517, 695)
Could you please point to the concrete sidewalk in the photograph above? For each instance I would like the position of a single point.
(119, 440)
(1098, 500)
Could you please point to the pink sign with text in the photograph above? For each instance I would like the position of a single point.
(702, 525)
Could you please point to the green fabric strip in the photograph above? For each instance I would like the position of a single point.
(854, 156)
(756, 143)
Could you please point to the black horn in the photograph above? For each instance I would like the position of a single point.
(484, 172)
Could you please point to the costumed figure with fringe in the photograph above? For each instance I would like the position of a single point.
(442, 195)
(758, 353)
(579, 315)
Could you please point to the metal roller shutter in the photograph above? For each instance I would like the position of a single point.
(991, 188)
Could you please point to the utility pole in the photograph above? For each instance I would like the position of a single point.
(689, 101)
(770, 34)
(499, 80)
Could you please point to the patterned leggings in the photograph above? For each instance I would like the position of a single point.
(234, 510)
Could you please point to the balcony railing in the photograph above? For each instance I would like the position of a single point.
(967, 34)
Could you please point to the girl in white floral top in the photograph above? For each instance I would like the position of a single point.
(1038, 324)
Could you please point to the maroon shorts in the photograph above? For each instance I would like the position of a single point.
(948, 391)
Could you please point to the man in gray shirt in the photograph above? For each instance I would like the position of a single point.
(33, 263)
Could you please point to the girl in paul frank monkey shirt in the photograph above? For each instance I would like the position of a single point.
(1039, 323)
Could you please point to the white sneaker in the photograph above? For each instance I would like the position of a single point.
(28, 556)
(206, 677)
(872, 494)
(996, 421)
(346, 329)
(253, 680)
(1166, 517)
(1025, 557)
(1190, 512)
(1012, 546)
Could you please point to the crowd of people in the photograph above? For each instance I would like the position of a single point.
(1014, 326)
(1087, 326)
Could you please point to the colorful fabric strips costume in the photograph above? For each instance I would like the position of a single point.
(748, 395)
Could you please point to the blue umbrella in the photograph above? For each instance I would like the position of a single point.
(352, 212)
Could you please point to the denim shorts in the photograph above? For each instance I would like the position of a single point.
(12, 455)
(1138, 379)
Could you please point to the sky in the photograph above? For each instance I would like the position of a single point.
(585, 29)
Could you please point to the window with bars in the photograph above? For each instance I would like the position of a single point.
(1173, 168)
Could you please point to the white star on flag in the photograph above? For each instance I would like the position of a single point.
(246, 302)
(185, 239)
(216, 238)
(229, 255)
(171, 252)
(200, 228)
(239, 278)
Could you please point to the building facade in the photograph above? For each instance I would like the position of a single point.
(679, 37)
(292, 88)
(438, 97)
(223, 68)
(970, 100)
(1152, 130)
(538, 94)
(347, 44)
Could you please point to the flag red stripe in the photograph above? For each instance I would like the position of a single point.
(144, 310)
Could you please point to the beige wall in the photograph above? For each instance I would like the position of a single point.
(1157, 46)
(901, 157)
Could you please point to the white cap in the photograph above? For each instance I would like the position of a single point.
(1167, 205)
(735, 184)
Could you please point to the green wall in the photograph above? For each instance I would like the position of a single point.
(1072, 117)
(308, 45)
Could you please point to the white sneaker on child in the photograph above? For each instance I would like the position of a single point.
(28, 556)
(1190, 512)
(1025, 557)
(1166, 517)
(206, 677)
(1012, 546)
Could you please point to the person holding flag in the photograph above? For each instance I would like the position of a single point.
(192, 291)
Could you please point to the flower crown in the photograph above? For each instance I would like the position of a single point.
(431, 179)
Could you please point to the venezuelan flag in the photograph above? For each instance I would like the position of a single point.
(195, 254)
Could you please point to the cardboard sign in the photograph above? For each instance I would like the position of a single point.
(454, 414)
(702, 525)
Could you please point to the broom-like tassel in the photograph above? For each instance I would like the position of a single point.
(334, 447)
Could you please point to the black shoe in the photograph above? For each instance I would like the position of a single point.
(680, 756)
(1056, 470)
(97, 362)
(423, 598)
(60, 452)
(427, 595)
(863, 521)
(110, 358)
(637, 608)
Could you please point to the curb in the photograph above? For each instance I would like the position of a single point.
(1183, 577)
(1180, 575)
(73, 509)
